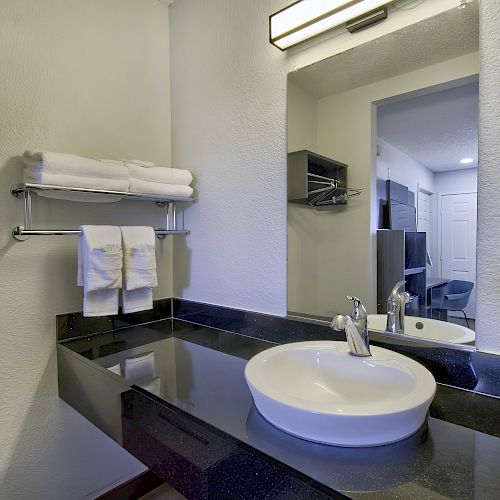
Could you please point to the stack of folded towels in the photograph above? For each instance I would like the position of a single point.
(147, 178)
(111, 258)
(134, 176)
(59, 169)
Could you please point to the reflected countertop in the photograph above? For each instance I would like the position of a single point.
(200, 371)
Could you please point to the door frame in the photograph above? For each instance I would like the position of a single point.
(432, 196)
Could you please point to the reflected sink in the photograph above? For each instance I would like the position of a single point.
(425, 328)
(320, 392)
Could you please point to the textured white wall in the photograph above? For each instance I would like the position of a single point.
(301, 119)
(302, 248)
(398, 166)
(89, 78)
(229, 127)
(456, 181)
(488, 243)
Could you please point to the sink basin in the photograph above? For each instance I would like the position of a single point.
(425, 328)
(320, 392)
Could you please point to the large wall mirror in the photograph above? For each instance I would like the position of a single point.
(382, 180)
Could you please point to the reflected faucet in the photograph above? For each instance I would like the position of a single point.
(355, 327)
(396, 304)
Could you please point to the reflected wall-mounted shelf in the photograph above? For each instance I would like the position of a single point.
(25, 190)
(317, 182)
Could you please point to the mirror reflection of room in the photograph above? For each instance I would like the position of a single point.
(427, 188)
(393, 142)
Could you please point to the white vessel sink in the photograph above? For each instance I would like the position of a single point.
(320, 392)
(425, 328)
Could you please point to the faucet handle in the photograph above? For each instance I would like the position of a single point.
(358, 310)
(396, 288)
(405, 297)
(354, 299)
(338, 322)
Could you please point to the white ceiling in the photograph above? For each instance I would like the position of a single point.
(437, 129)
(448, 35)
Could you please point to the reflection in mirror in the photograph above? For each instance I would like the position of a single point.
(382, 181)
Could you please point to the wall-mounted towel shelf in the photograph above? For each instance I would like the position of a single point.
(25, 190)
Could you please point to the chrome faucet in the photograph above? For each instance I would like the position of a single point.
(355, 327)
(396, 309)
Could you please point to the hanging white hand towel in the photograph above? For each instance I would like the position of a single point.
(100, 269)
(139, 267)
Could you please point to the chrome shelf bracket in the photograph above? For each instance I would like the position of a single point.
(21, 233)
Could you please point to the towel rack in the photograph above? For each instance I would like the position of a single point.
(24, 191)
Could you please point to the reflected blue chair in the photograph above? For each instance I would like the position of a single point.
(452, 296)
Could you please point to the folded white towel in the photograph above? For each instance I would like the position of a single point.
(137, 300)
(100, 303)
(100, 258)
(140, 270)
(139, 247)
(114, 162)
(38, 176)
(141, 366)
(142, 163)
(64, 164)
(100, 269)
(145, 187)
(160, 174)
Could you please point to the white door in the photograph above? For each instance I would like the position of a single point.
(424, 217)
(458, 241)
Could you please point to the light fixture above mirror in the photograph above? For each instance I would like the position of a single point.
(307, 19)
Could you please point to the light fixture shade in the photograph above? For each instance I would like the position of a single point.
(309, 18)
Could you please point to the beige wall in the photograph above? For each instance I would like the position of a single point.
(302, 248)
(301, 119)
(90, 78)
(343, 241)
(229, 128)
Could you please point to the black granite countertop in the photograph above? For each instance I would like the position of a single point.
(199, 377)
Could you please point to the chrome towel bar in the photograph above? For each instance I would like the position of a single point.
(19, 232)
(25, 190)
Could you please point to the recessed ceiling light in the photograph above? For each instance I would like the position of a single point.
(466, 160)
